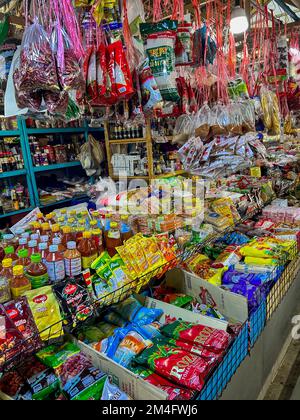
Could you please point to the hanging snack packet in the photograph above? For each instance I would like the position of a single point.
(91, 74)
(160, 49)
(46, 313)
(112, 393)
(74, 300)
(151, 95)
(183, 47)
(174, 393)
(119, 72)
(11, 340)
(20, 314)
(199, 335)
(177, 365)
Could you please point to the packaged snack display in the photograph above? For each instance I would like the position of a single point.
(46, 313)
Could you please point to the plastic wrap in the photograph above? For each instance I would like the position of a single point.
(202, 122)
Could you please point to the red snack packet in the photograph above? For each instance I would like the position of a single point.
(179, 366)
(210, 338)
(119, 72)
(11, 340)
(21, 316)
(174, 392)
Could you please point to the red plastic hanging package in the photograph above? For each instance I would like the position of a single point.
(11, 340)
(91, 74)
(119, 72)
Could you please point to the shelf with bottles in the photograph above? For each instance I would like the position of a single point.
(14, 197)
(166, 161)
(11, 155)
(120, 133)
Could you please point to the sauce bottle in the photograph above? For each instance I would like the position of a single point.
(32, 248)
(88, 250)
(43, 250)
(19, 283)
(68, 236)
(50, 219)
(19, 232)
(40, 218)
(107, 222)
(26, 235)
(55, 265)
(72, 222)
(126, 232)
(56, 232)
(46, 230)
(22, 244)
(5, 294)
(44, 239)
(35, 237)
(113, 239)
(7, 269)
(9, 240)
(57, 241)
(72, 258)
(79, 234)
(10, 253)
(37, 228)
(97, 235)
(37, 272)
(23, 260)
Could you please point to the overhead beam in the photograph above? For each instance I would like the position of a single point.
(288, 10)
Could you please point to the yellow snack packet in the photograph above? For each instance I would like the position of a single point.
(46, 313)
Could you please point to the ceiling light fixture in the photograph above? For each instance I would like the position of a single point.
(239, 22)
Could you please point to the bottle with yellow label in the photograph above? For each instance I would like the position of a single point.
(88, 250)
(19, 283)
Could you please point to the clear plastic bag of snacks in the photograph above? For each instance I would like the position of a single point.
(219, 120)
(202, 121)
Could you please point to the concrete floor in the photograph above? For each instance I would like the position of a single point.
(286, 384)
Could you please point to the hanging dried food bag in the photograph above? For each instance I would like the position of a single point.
(202, 122)
(37, 69)
(183, 46)
(248, 114)
(235, 126)
(219, 120)
(70, 74)
(56, 102)
(160, 48)
(90, 71)
(151, 95)
(119, 73)
(11, 340)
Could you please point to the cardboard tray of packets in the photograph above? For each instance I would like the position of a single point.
(133, 383)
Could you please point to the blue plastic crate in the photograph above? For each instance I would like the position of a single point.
(257, 322)
(227, 368)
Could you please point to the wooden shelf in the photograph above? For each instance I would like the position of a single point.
(127, 141)
(131, 177)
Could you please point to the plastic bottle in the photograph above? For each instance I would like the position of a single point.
(88, 250)
(98, 238)
(79, 234)
(37, 228)
(43, 250)
(19, 232)
(64, 215)
(9, 240)
(5, 294)
(7, 269)
(19, 283)
(68, 236)
(26, 235)
(72, 223)
(57, 241)
(46, 230)
(126, 232)
(44, 239)
(22, 244)
(55, 265)
(23, 260)
(40, 218)
(37, 272)
(35, 237)
(61, 221)
(10, 253)
(56, 233)
(72, 259)
(113, 239)
(32, 248)
(50, 219)
(93, 224)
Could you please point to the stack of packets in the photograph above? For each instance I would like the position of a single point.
(59, 372)
(243, 265)
(223, 215)
(176, 357)
(138, 260)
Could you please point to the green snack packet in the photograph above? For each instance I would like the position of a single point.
(43, 385)
(106, 329)
(101, 261)
(90, 334)
(88, 385)
(54, 356)
(164, 25)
